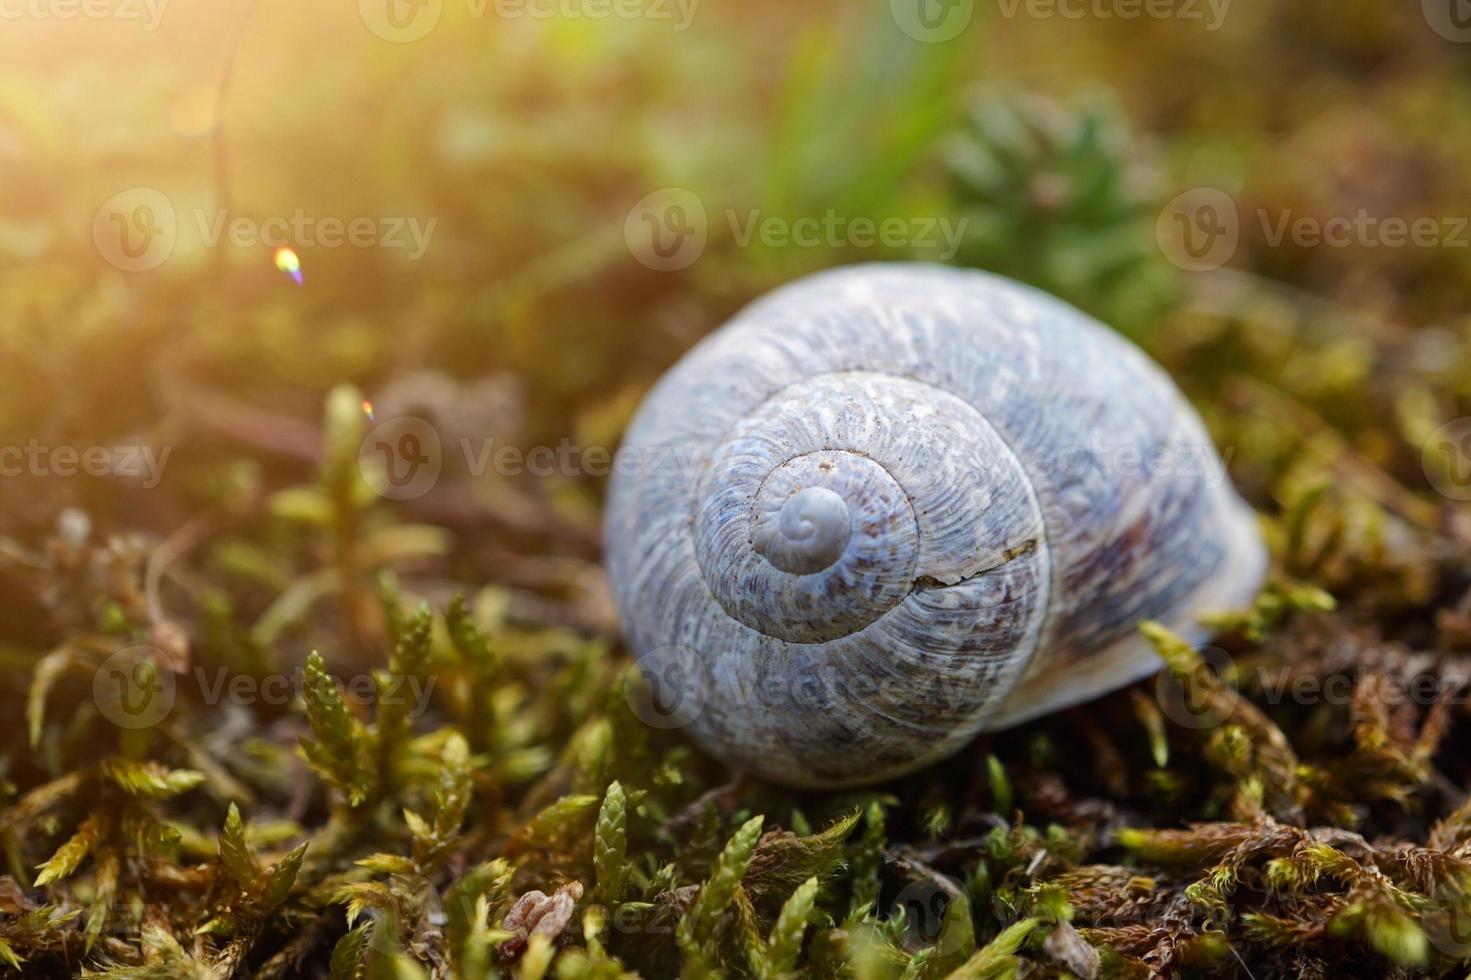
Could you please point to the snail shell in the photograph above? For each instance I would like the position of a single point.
(889, 506)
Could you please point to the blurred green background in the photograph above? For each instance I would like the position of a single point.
(526, 140)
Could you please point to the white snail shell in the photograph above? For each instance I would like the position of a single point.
(887, 507)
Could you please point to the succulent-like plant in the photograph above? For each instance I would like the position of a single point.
(1052, 196)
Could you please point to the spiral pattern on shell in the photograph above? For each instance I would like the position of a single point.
(876, 514)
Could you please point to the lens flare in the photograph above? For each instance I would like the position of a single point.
(368, 410)
(289, 262)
